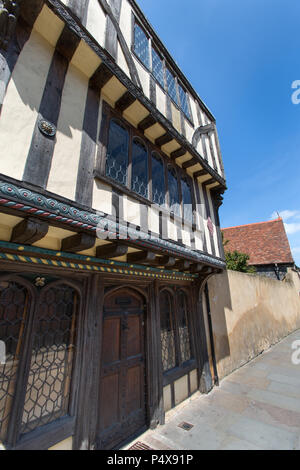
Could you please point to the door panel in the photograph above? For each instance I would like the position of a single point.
(122, 389)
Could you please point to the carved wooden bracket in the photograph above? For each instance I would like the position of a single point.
(29, 231)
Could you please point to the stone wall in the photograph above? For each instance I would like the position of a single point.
(250, 313)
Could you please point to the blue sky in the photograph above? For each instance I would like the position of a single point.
(242, 58)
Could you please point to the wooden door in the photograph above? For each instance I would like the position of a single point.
(122, 387)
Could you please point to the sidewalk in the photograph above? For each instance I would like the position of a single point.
(256, 407)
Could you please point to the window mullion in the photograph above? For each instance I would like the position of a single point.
(176, 331)
(22, 376)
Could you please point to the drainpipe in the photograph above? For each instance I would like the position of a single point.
(211, 336)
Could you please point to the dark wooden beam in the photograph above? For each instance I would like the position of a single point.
(144, 257)
(178, 153)
(191, 162)
(114, 250)
(196, 268)
(200, 173)
(166, 261)
(101, 77)
(78, 242)
(125, 101)
(182, 265)
(29, 231)
(149, 121)
(210, 181)
(164, 139)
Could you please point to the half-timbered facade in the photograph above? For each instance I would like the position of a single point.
(111, 178)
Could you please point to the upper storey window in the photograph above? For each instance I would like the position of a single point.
(141, 45)
(117, 152)
(158, 68)
(139, 178)
(174, 202)
(171, 86)
(184, 102)
(187, 200)
(158, 180)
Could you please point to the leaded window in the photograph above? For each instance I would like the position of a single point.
(167, 331)
(184, 102)
(139, 176)
(183, 327)
(158, 180)
(187, 200)
(158, 68)
(174, 201)
(141, 45)
(39, 329)
(177, 351)
(171, 86)
(117, 153)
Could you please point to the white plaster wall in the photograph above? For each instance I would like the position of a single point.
(96, 22)
(21, 104)
(64, 168)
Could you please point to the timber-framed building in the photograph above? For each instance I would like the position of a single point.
(111, 178)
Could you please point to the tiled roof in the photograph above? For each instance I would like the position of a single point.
(264, 242)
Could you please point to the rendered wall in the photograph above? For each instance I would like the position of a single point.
(249, 314)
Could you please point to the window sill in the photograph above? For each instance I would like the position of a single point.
(178, 372)
(46, 436)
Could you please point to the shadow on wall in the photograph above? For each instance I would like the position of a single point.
(249, 314)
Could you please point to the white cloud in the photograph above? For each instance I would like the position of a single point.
(286, 215)
(292, 228)
(296, 250)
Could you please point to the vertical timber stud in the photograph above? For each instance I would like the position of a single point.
(88, 390)
(157, 415)
(80, 9)
(204, 373)
(41, 150)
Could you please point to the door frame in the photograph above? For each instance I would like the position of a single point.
(134, 293)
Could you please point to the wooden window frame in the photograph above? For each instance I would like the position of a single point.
(166, 66)
(100, 170)
(56, 431)
(182, 368)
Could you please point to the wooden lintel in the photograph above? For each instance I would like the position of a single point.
(178, 153)
(189, 163)
(29, 231)
(164, 139)
(149, 121)
(101, 76)
(78, 242)
(114, 250)
(144, 257)
(125, 101)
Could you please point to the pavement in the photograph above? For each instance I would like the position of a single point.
(257, 407)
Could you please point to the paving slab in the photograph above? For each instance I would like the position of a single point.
(257, 407)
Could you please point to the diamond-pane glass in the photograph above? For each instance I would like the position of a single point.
(158, 68)
(173, 191)
(117, 153)
(187, 200)
(184, 102)
(48, 387)
(141, 45)
(167, 332)
(14, 308)
(171, 86)
(139, 177)
(158, 181)
(183, 327)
